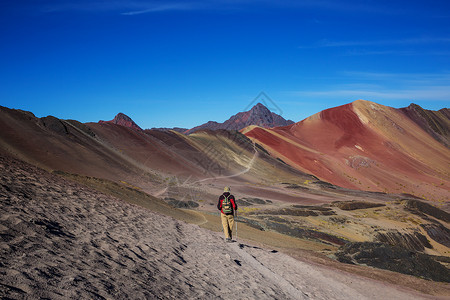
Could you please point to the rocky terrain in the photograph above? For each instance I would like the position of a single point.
(63, 240)
(63, 178)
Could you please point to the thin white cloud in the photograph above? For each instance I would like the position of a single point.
(362, 43)
(161, 8)
(383, 52)
(409, 41)
(403, 79)
(124, 7)
(136, 7)
(398, 53)
(379, 86)
(431, 93)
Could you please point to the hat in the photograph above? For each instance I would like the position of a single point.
(226, 189)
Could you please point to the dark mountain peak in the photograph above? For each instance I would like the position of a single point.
(414, 106)
(121, 116)
(260, 109)
(258, 115)
(259, 105)
(123, 120)
(261, 116)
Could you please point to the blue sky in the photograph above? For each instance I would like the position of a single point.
(182, 63)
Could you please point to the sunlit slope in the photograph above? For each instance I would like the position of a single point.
(164, 152)
(366, 146)
(232, 155)
(107, 151)
(55, 144)
(200, 156)
(154, 161)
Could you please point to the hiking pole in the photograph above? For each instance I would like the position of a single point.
(235, 213)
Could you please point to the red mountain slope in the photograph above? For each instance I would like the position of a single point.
(366, 146)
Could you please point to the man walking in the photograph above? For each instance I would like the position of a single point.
(227, 206)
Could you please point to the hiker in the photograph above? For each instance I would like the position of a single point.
(227, 206)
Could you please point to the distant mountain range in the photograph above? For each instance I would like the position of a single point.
(258, 115)
(435, 123)
(362, 145)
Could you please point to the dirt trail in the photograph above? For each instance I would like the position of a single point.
(61, 240)
(301, 280)
(283, 284)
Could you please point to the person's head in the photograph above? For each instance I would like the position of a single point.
(226, 189)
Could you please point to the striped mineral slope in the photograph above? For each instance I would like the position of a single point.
(363, 145)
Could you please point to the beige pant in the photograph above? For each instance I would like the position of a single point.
(227, 223)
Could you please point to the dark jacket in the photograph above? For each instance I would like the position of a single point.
(231, 198)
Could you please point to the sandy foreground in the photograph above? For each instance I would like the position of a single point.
(61, 240)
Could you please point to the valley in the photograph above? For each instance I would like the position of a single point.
(351, 187)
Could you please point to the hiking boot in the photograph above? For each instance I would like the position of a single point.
(228, 240)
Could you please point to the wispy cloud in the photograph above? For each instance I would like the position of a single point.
(151, 7)
(136, 7)
(430, 93)
(365, 52)
(408, 41)
(399, 79)
(379, 86)
(123, 7)
(393, 42)
(164, 7)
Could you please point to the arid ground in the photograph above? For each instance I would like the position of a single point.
(61, 239)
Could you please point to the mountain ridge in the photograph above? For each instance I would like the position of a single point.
(363, 145)
(123, 120)
(353, 140)
(258, 115)
(436, 123)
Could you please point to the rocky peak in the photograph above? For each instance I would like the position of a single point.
(121, 117)
(123, 120)
(258, 115)
(261, 115)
